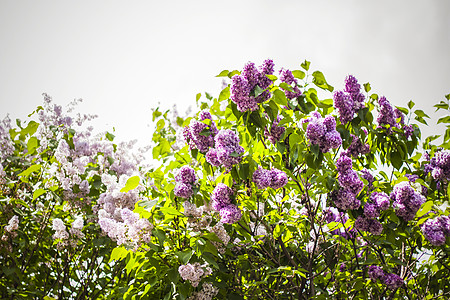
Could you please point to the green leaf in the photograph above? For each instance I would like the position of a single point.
(224, 73)
(396, 159)
(118, 253)
(410, 104)
(319, 80)
(421, 114)
(111, 136)
(170, 211)
(30, 170)
(197, 97)
(426, 207)
(298, 74)
(305, 65)
(445, 119)
(280, 97)
(367, 87)
(38, 193)
(32, 144)
(224, 94)
(31, 128)
(147, 204)
(184, 256)
(131, 184)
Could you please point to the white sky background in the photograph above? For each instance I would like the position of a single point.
(123, 57)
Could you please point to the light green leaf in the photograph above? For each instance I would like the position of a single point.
(426, 207)
(224, 73)
(280, 97)
(118, 253)
(30, 170)
(224, 94)
(38, 193)
(131, 184)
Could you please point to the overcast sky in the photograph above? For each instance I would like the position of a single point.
(123, 57)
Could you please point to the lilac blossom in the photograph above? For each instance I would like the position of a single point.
(349, 101)
(436, 230)
(200, 134)
(275, 132)
(439, 166)
(368, 176)
(350, 185)
(6, 144)
(230, 214)
(183, 190)
(273, 178)
(186, 175)
(372, 226)
(322, 132)
(357, 148)
(221, 196)
(194, 272)
(227, 151)
(243, 86)
(393, 281)
(376, 272)
(406, 200)
(386, 116)
(288, 78)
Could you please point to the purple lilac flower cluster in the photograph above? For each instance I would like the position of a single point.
(288, 78)
(322, 131)
(391, 280)
(227, 150)
(368, 222)
(439, 166)
(368, 176)
(406, 200)
(388, 115)
(351, 185)
(331, 214)
(412, 178)
(243, 86)
(221, 201)
(200, 134)
(273, 178)
(436, 230)
(275, 132)
(185, 180)
(350, 100)
(357, 148)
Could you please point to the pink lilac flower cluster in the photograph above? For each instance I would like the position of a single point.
(275, 132)
(222, 234)
(273, 178)
(131, 230)
(61, 234)
(406, 200)
(288, 78)
(322, 131)
(200, 134)
(350, 185)
(349, 101)
(185, 180)
(436, 230)
(391, 280)
(379, 201)
(439, 166)
(196, 220)
(208, 292)
(194, 272)
(243, 86)
(227, 151)
(221, 201)
(357, 148)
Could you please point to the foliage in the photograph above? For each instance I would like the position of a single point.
(279, 188)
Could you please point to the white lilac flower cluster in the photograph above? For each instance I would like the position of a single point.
(132, 231)
(273, 178)
(221, 199)
(76, 230)
(196, 220)
(6, 144)
(61, 235)
(322, 132)
(185, 180)
(222, 234)
(407, 201)
(13, 225)
(436, 230)
(207, 292)
(194, 272)
(227, 151)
